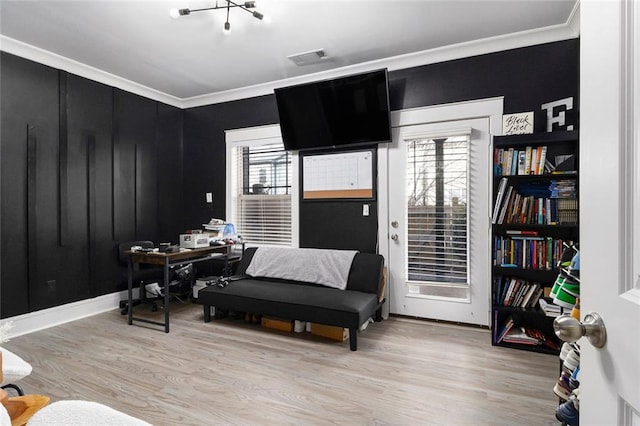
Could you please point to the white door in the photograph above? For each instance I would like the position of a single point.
(610, 210)
(438, 220)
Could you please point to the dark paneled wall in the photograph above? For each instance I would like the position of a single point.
(82, 169)
(29, 155)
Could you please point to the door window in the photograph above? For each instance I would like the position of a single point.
(436, 216)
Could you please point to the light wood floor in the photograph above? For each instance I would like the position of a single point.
(405, 372)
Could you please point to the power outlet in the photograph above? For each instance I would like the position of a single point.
(365, 210)
(51, 286)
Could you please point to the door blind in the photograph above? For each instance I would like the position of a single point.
(437, 206)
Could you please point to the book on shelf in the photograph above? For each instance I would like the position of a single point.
(527, 335)
(535, 160)
(501, 189)
(516, 209)
(567, 210)
(543, 160)
(536, 297)
(522, 334)
(497, 161)
(536, 203)
(519, 335)
(504, 161)
(549, 308)
(549, 167)
(525, 232)
(509, 162)
(521, 162)
(516, 300)
(508, 199)
(527, 297)
(516, 292)
(531, 161)
(527, 252)
(514, 286)
(506, 327)
(527, 164)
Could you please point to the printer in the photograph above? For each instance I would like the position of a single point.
(194, 240)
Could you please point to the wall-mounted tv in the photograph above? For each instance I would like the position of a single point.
(351, 110)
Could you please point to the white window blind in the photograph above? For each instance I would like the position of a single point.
(437, 206)
(263, 185)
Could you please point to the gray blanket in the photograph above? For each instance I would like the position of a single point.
(317, 266)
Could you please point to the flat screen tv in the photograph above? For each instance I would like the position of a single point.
(351, 110)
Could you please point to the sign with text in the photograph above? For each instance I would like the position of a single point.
(517, 124)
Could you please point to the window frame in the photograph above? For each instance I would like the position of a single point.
(252, 137)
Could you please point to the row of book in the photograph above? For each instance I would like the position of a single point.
(523, 334)
(527, 251)
(517, 292)
(529, 161)
(536, 203)
(567, 211)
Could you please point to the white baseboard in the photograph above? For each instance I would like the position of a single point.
(39, 320)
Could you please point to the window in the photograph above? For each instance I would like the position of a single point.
(437, 211)
(260, 193)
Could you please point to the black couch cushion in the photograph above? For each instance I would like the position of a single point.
(313, 303)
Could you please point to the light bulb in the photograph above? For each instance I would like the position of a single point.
(174, 13)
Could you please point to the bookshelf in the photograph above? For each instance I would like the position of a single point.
(535, 213)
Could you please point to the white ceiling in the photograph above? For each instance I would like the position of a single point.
(190, 60)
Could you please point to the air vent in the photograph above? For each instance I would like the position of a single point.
(308, 58)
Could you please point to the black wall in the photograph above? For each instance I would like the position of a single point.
(526, 77)
(82, 168)
(85, 166)
(205, 151)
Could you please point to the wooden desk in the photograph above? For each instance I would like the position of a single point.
(167, 260)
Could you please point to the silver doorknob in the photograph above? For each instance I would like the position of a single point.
(569, 329)
(394, 237)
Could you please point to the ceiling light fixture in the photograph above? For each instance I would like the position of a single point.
(176, 13)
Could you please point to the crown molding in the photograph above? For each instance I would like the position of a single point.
(54, 60)
(458, 51)
(566, 31)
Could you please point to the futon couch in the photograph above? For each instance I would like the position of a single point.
(331, 287)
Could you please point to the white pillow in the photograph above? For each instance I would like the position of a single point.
(64, 413)
(14, 368)
(5, 420)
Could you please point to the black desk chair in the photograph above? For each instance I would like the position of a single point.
(143, 274)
